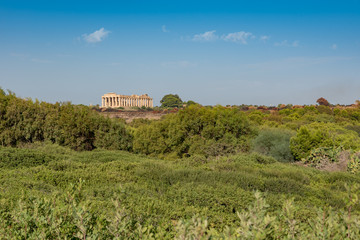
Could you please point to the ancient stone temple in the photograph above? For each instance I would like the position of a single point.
(113, 100)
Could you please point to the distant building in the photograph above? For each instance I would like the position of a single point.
(113, 100)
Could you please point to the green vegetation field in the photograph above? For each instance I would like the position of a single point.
(150, 192)
(202, 173)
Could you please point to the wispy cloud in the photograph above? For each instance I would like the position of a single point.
(264, 38)
(206, 36)
(178, 64)
(96, 36)
(239, 37)
(164, 29)
(334, 46)
(286, 43)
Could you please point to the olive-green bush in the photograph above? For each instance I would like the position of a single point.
(317, 135)
(195, 130)
(274, 142)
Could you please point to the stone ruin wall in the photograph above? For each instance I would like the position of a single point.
(129, 116)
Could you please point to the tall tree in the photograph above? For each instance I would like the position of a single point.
(323, 101)
(171, 100)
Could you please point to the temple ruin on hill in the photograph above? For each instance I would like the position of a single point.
(113, 100)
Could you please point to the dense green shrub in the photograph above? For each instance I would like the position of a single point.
(13, 158)
(275, 143)
(76, 126)
(195, 130)
(317, 135)
(68, 216)
(150, 193)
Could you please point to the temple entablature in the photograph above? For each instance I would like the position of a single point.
(113, 100)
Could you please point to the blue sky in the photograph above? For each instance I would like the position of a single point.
(212, 52)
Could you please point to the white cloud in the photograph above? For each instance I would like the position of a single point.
(334, 46)
(285, 43)
(205, 37)
(264, 38)
(240, 37)
(96, 36)
(164, 29)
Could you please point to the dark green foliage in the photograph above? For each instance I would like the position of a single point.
(317, 135)
(171, 101)
(190, 102)
(195, 130)
(275, 143)
(78, 127)
(13, 158)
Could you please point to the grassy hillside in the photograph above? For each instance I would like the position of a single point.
(154, 192)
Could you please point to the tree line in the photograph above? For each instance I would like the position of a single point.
(25, 121)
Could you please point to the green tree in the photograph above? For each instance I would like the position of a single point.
(171, 100)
